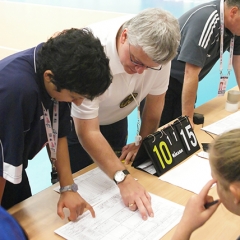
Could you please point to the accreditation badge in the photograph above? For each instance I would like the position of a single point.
(127, 100)
(222, 85)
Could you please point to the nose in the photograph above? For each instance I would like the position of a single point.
(78, 101)
(140, 69)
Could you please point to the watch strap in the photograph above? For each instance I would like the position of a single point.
(73, 188)
(125, 171)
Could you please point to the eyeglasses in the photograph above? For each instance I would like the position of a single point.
(142, 65)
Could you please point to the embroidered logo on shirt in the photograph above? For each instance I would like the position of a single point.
(127, 100)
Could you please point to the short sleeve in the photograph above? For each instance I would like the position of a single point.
(87, 110)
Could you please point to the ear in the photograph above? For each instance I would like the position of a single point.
(235, 190)
(47, 76)
(123, 36)
(233, 12)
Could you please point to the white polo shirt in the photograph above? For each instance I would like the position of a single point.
(107, 106)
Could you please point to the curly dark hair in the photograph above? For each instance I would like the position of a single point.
(77, 61)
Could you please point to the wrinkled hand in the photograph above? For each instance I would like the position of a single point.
(195, 214)
(129, 152)
(136, 197)
(75, 203)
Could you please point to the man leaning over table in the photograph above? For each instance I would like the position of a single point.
(36, 87)
(140, 49)
(207, 31)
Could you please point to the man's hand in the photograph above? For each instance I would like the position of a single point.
(75, 203)
(129, 152)
(135, 197)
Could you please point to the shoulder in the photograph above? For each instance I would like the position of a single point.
(21, 83)
(200, 26)
(20, 86)
(17, 72)
(204, 15)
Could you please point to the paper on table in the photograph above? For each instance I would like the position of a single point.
(191, 175)
(203, 154)
(226, 124)
(115, 221)
(94, 186)
(147, 167)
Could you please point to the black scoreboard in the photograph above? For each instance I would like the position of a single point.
(168, 146)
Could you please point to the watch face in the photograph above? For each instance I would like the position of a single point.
(74, 187)
(119, 176)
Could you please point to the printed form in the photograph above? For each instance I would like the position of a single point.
(226, 124)
(113, 219)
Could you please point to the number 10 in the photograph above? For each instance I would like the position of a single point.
(167, 159)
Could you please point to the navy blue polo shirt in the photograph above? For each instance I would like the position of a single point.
(22, 129)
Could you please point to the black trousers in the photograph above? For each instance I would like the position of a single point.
(173, 102)
(115, 134)
(15, 193)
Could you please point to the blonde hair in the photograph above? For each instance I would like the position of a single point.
(224, 155)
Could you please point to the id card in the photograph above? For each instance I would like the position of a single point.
(222, 85)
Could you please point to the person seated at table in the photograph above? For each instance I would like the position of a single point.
(224, 159)
(37, 86)
(140, 49)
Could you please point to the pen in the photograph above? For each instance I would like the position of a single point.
(209, 204)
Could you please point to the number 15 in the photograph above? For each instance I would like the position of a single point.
(190, 135)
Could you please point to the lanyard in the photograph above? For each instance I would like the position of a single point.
(221, 41)
(52, 130)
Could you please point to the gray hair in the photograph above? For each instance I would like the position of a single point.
(232, 3)
(157, 32)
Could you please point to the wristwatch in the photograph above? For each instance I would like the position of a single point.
(119, 176)
(73, 188)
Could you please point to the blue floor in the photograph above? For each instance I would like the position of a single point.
(39, 169)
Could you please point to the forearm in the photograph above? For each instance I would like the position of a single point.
(97, 146)
(188, 99)
(189, 91)
(101, 152)
(181, 233)
(148, 126)
(63, 163)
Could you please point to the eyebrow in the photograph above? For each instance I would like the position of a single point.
(135, 59)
